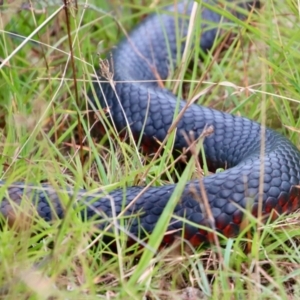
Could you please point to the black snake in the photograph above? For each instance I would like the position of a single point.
(138, 102)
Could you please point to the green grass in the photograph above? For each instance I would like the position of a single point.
(257, 77)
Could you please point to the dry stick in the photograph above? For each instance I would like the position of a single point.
(71, 201)
(66, 9)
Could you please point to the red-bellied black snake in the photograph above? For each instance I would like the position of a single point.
(135, 100)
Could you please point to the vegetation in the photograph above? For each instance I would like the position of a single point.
(43, 122)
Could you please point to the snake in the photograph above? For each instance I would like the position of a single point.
(130, 93)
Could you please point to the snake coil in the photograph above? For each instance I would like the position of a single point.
(138, 102)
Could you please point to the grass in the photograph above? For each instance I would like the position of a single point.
(257, 77)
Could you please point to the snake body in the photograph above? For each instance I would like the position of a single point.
(136, 101)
